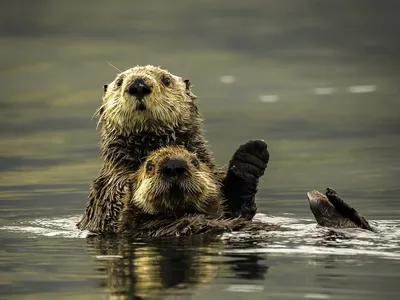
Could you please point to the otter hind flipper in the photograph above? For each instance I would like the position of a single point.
(346, 210)
(247, 165)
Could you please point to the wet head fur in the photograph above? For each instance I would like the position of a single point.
(197, 190)
(153, 193)
(167, 105)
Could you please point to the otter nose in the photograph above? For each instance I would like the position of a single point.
(174, 168)
(139, 88)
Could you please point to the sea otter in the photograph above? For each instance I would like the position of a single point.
(332, 211)
(175, 193)
(144, 109)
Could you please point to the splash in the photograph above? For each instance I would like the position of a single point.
(304, 237)
(300, 236)
(51, 227)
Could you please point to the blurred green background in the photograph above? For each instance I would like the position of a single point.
(255, 66)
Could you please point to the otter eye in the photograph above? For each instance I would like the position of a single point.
(149, 166)
(166, 80)
(119, 82)
(195, 163)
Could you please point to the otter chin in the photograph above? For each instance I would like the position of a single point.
(331, 211)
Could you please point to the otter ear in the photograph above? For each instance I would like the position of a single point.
(187, 82)
(188, 89)
(101, 109)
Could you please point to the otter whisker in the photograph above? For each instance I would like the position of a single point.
(98, 124)
(114, 67)
(97, 112)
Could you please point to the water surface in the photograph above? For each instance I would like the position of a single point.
(317, 81)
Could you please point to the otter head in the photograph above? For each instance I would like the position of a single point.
(325, 212)
(146, 98)
(174, 181)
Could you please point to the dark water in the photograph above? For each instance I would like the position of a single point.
(317, 80)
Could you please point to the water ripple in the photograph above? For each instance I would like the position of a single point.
(300, 236)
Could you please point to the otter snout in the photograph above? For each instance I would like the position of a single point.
(139, 88)
(174, 168)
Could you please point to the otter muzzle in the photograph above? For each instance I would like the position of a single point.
(174, 169)
(139, 88)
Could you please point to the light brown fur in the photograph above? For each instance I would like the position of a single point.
(147, 108)
(167, 107)
(129, 135)
(151, 192)
(150, 196)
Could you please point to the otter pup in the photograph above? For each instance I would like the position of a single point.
(174, 193)
(332, 211)
(144, 109)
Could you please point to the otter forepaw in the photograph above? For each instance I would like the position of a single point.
(250, 160)
(240, 184)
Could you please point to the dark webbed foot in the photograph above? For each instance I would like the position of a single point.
(346, 210)
(240, 184)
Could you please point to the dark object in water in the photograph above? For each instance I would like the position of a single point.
(332, 211)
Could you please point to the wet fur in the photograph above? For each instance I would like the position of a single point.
(152, 210)
(150, 194)
(331, 211)
(128, 136)
(194, 224)
(125, 147)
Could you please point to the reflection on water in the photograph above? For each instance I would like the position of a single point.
(187, 266)
(318, 82)
(148, 269)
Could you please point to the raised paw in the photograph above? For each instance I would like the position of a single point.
(250, 160)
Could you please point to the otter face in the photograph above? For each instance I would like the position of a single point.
(172, 180)
(146, 98)
(325, 213)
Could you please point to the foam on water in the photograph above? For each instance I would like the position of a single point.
(300, 236)
(51, 227)
(303, 236)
